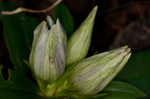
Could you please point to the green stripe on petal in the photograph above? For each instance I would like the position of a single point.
(79, 43)
(91, 75)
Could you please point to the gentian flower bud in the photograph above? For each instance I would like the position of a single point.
(79, 42)
(47, 58)
(92, 74)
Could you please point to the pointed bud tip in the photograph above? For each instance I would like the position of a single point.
(126, 49)
(58, 22)
(42, 26)
(123, 49)
(94, 11)
(129, 55)
(43, 22)
(96, 7)
(126, 46)
(50, 21)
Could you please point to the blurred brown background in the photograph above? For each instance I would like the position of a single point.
(118, 22)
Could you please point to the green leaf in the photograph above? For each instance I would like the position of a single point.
(18, 31)
(65, 17)
(1, 75)
(117, 86)
(9, 91)
(23, 82)
(137, 71)
(118, 95)
(19, 81)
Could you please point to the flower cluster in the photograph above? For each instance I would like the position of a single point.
(59, 65)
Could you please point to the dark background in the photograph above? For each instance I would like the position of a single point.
(118, 23)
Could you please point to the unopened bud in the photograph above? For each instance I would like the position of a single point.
(92, 74)
(47, 58)
(79, 43)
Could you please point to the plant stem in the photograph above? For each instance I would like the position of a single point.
(19, 10)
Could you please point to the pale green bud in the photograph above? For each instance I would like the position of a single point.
(92, 74)
(50, 21)
(47, 58)
(79, 42)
